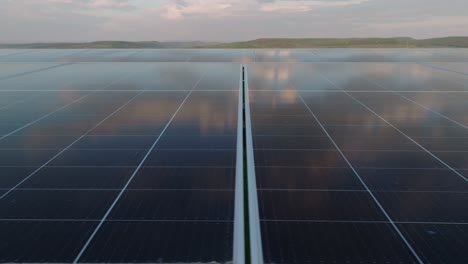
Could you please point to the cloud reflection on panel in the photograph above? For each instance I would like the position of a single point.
(412, 77)
(270, 77)
(276, 55)
(148, 115)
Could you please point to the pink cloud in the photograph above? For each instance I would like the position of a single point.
(102, 4)
(179, 9)
(109, 4)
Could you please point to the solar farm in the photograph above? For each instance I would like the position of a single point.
(234, 156)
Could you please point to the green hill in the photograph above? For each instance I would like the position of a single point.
(399, 42)
(456, 42)
(109, 45)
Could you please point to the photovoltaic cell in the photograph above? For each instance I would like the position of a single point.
(43, 241)
(162, 241)
(356, 172)
(438, 242)
(308, 242)
(55, 204)
(79, 178)
(192, 178)
(114, 151)
(358, 158)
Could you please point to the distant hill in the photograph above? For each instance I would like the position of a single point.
(111, 45)
(400, 42)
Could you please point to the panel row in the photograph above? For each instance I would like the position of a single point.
(236, 55)
(107, 176)
(348, 169)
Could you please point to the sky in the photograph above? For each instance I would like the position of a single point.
(24, 21)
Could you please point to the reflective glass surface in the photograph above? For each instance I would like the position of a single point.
(360, 160)
(129, 156)
(117, 153)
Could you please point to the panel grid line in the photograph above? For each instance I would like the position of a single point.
(226, 221)
(34, 71)
(140, 165)
(258, 166)
(443, 69)
(114, 166)
(130, 149)
(397, 129)
(65, 106)
(66, 148)
(416, 103)
(19, 102)
(120, 90)
(45, 116)
(111, 220)
(14, 53)
(232, 149)
(29, 189)
(395, 227)
(361, 91)
(118, 189)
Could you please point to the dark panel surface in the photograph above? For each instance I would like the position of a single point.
(307, 178)
(299, 158)
(73, 137)
(166, 242)
(197, 142)
(179, 206)
(318, 205)
(392, 159)
(36, 142)
(79, 178)
(312, 242)
(392, 122)
(57, 204)
(426, 206)
(184, 178)
(413, 180)
(43, 241)
(193, 158)
(99, 158)
(174, 205)
(25, 157)
(114, 142)
(292, 142)
(439, 243)
(10, 176)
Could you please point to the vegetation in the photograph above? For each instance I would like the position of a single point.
(401, 42)
(110, 45)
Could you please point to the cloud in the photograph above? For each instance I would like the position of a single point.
(227, 20)
(303, 6)
(109, 4)
(99, 4)
(179, 9)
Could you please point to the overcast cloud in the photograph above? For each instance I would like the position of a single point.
(226, 20)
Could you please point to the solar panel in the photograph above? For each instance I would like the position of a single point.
(133, 156)
(364, 169)
(96, 167)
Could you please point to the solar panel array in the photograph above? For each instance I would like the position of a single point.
(360, 163)
(132, 156)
